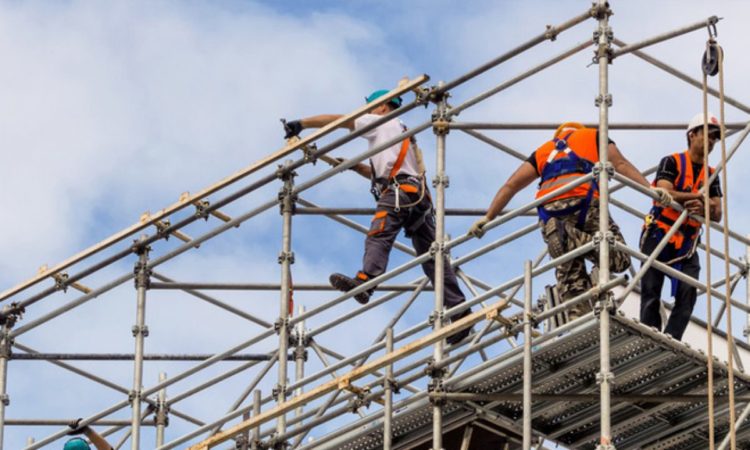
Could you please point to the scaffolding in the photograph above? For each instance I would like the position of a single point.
(524, 379)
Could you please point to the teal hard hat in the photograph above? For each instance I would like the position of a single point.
(395, 101)
(77, 444)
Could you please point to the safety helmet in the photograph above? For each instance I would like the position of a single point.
(395, 101)
(697, 122)
(77, 444)
(568, 126)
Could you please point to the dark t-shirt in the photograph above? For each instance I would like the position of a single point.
(668, 171)
(532, 158)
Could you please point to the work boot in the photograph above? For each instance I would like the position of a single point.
(346, 284)
(458, 337)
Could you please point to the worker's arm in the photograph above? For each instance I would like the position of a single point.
(680, 197)
(99, 442)
(324, 119)
(714, 207)
(360, 168)
(625, 167)
(522, 177)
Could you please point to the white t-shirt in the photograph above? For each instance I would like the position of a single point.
(383, 161)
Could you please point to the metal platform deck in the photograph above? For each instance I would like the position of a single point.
(644, 362)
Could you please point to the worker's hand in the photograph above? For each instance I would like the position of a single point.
(665, 198)
(292, 128)
(477, 230)
(694, 206)
(76, 428)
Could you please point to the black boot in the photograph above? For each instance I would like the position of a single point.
(457, 337)
(346, 284)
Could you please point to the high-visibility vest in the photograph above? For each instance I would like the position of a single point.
(563, 160)
(665, 217)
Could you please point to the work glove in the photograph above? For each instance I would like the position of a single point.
(292, 128)
(76, 428)
(665, 198)
(477, 230)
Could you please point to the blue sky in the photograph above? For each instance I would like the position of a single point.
(111, 109)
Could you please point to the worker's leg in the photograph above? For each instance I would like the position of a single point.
(422, 237)
(619, 261)
(652, 282)
(384, 227)
(684, 299)
(572, 278)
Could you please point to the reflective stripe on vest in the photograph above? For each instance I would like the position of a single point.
(582, 143)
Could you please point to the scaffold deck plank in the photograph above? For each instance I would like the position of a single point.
(644, 362)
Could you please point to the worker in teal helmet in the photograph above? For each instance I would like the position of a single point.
(397, 179)
(79, 443)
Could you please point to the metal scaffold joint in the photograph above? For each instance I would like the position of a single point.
(142, 275)
(441, 180)
(603, 377)
(142, 330)
(606, 99)
(434, 372)
(286, 256)
(276, 444)
(162, 413)
(606, 301)
(279, 324)
(436, 316)
(10, 315)
(551, 33)
(279, 388)
(600, 11)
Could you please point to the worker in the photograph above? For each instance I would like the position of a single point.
(403, 202)
(683, 175)
(570, 219)
(78, 443)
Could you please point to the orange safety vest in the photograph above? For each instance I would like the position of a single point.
(665, 217)
(582, 143)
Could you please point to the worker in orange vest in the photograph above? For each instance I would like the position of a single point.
(403, 202)
(570, 219)
(683, 175)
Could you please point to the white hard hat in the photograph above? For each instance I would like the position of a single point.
(697, 121)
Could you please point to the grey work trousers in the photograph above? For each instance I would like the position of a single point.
(418, 221)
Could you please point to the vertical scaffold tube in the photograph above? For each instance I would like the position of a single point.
(603, 38)
(140, 331)
(747, 289)
(5, 346)
(286, 259)
(161, 412)
(388, 394)
(254, 443)
(440, 127)
(300, 356)
(527, 368)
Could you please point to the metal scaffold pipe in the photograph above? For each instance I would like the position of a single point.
(603, 37)
(527, 367)
(713, 20)
(286, 259)
(140, 331)
(440, 119)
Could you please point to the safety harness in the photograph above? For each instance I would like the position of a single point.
(555, 167)
(408, 184)
(685, 240)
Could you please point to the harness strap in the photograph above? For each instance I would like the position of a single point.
(682, 169)
(400, 161)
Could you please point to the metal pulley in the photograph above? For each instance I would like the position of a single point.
(710, 62)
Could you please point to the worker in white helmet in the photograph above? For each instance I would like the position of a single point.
(683, 175)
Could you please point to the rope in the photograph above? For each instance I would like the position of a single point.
(728, 283)
(706, 212)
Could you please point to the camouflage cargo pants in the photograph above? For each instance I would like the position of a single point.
(561, 236)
